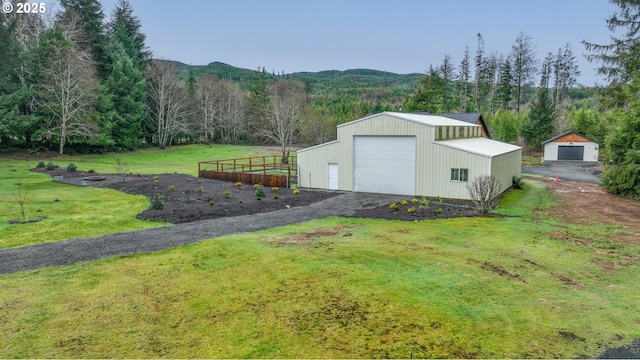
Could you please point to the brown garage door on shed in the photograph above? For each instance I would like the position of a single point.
(566, 152)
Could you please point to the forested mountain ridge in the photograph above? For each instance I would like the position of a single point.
(352, 78)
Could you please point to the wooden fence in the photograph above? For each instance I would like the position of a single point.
(266, 170)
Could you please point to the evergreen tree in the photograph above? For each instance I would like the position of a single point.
(464, 78)
(89, 33)
(504, 91)
(620, 63)
(430, 96)
(258, 103)
(448, 75)
(539, 124)
(566, 72)
(19, 34)
(524, 65)
(125, 28)
(126, 104)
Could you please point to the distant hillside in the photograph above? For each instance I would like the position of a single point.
(319, 81)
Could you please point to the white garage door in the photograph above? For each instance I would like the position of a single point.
(385, 164)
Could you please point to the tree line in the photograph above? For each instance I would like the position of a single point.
(79, 82)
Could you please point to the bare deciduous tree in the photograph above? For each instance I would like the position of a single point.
(232, 102)
(484, 191)
(285, 114)
(167, 102)
(206, 108)
(68, 89)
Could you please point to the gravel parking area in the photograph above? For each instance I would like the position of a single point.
(580, 171)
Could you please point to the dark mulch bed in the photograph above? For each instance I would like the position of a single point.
(191, 197)
(435, 210)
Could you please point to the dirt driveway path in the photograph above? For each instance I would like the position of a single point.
(142, 241)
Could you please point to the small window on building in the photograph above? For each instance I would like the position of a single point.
(460, 174)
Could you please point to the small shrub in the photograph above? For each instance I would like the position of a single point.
(200, 188)
(91, 171)
(275, 196)
(438, 211)
(50, 166)
(238, 184)
(156, 202)
(414, 201)
(259, 192)
(172, 188)
(296, 192)
(255, 186)
(411, 210)
(394, 207)
(227, 194)
(240, 201)
(40, 164)
(211, 202)
(517, 182)
(71, 167)
(275, 189)
(440, 200)
(404, 202)
(156, 181)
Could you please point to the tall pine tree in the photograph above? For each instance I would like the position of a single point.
(539, 125)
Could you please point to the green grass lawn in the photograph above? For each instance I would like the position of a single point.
(178, 159)
(340, 288)
(72, 211)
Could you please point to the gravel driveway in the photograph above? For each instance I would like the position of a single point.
(149, 240)
(580, 171)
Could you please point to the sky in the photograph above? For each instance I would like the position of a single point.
(400, 36)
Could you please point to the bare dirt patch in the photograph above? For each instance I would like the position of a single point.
(583, 203)
(308, 238)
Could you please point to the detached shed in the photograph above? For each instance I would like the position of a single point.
(570, 146)
(407, 154)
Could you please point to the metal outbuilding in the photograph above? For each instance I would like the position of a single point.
(407, 154)
(570, 146)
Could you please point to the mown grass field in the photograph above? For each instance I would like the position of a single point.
(341, 288)
(72, 211)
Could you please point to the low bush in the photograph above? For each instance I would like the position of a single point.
(50, 166)
(227, 194)
(91, 171)
(71, 167)
(394, 207)
(517, 182)
(296, 192)
(172, 188)
(404, 202)
(259, 192)
(411, 210)
(156, 202)
(275, 189)
(238, 184)
(211, 202)
(275, 196)
(40, 165)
